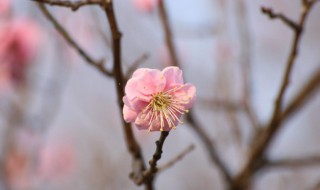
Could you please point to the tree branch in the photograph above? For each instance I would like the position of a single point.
(148, 175)
(168, 33)
(217, 104)
(176, 159)
(74, 5)
(290, 163)
(190, 116)
(264, 139)
(136, 64)
(280, 16)
(132, 144)
(210, 147)
(303, 96)
(245, 61)
(63, 32)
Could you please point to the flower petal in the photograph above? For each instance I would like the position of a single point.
(188, 92)
(128, 114)
(145, 82)
(173, 76)
(142, 121)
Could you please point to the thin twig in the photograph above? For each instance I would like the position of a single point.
(304, 95)
(136, 64)
(292, 163)
(245, 61)
(73, 5)
(283, 18)
(168, 33)
(176, 159)
(264, 139)
(225, 105)
(97, 64)
(191, 117)
(210, 147)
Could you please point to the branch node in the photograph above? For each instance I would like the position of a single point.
(272, 15)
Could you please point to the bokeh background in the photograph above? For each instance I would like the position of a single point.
(60, 124)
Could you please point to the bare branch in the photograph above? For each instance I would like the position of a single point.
(73, 5)
(283, 18)
(263, 139)
(291, 163)
(245, 61)
(190, 117)
(210, 146)
(63, 32)
(168, 33)
(176, 159)
(132, 144)
(148, 175)
(303, 96)
(225, 105)
(136, 64)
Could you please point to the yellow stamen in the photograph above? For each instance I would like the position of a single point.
(166, 107)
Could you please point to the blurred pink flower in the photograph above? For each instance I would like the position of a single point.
(146, 5)
(17, 164)
(18, 161)
(155, 100)
(4, 6)
(57, 160)
(20, 41)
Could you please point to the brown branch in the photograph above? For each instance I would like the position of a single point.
(292, 163)
(63, 32)
(264, 139)
(210, 146)
(190, 117)
(315, 186)
(245, 61)
(168, 33)
(304, 95)
(132, 144)
(226, 105)
(176, 159)
(148, 175)
(136, 64)
(283, 18)
(74, 5)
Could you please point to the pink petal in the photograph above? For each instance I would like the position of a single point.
(142, 85)
(173, 76)
(143, 119)
(188, 92)
(128, 114)
(148, 81)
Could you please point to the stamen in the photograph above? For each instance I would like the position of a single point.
(166, 107)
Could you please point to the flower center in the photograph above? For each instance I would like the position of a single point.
(166, 108)
(160, 101)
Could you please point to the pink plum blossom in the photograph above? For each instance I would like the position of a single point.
(4, 6)
(20, 41)
(155, 100)
(57, 160)
(146, 5)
